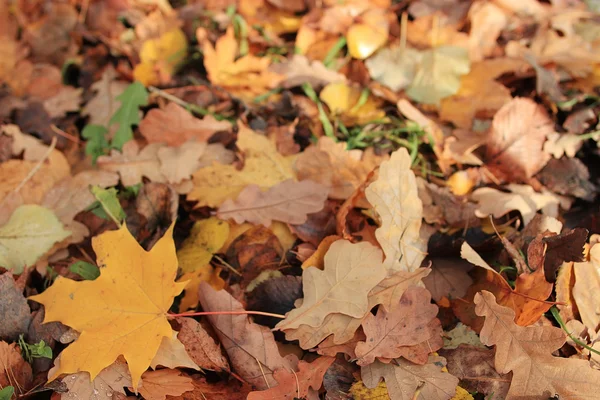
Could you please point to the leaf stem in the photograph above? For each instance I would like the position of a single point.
(196, 314)
(557, 317)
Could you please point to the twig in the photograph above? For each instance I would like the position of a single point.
(227, 265)
(64, 134)
(37, 167)
(196, 314)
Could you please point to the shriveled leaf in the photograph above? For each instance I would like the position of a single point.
(288, 202)
(292, 385)
(157, 385)
(30, 232)
(174, 125)
(351, 271)
(142, 280)
(527, 352)
(251, 348)
(200, 346)
(404, 379)
(395, 198)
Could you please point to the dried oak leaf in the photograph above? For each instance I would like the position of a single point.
(157, 385)
(515, 141)
(449, 278)
(405, 324)
(288, 202)
(130, 275)
(522, 198)
(303, 384)
(263, 166)
(201, 346)
(14, 311)
(351, 271)
(404, 379)
(586, 290)
(174, 125)
(527, 352)
(395, 198)
(132, 163)
(251, 348)
(474, 366)
(104, 103)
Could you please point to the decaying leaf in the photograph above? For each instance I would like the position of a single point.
(157, 385)
(200, 346)
(288, 202)
(14, 371)
(112, 379)
(527, 352)
(107, 330)
(395, 198)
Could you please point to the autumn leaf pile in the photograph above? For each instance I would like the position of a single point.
(268, 199)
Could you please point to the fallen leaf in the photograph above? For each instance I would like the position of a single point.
(394, 67)
(112, 379)
(67, 100)
(318, 225)
(448, 278)
(558, 144)
(172, 354)
(405, 324)
(438, 74)
(14, 310)
(132, 163)
(251, 348)
(104, 103)
(300, 69)
(294, 385)
(351, 271)
(368, 34)
(174, 126)
(487, 22)
(569, 177)
(177, 164)
(14, 371)
(288, 202)
(514, 144)
(317, 259)
(585, 290)
(192, 280)
(160, 56)
(344, 101)
(404, 379)
(263, 166)
(459, 335)
(206, 238)
(29, 234)
(128, 114)
(275, 295)
(395, 198)
(527, 352)
(200, 346)
(157, 385)
(474, 366)
(136, 333)
(204, 389)
(522, 198)
(158, 203)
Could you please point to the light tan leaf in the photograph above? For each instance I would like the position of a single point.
(586, 290)
(66, 100)
(174, 125)
(179, 163)
(405, 379)
(522, 198)
(299, 70)
(263, 166)
(487, 22)
(558, 144)
(112, 379)
(527, 352)
(172, 354)
(132, 164)
(157, 385)
(406, 324)
(104, 103)
(251, 347)
(394, 67)
(288, 202)
(351, 271)
(395, 198)
(200, 346)
(514, 144)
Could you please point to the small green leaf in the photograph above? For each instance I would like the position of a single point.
(127, 115)
(96, 144)
(109, 202)
(6, 393)
(31, 351)
(87, 271)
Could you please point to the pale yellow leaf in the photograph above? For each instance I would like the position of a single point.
(172, 354)
(206, 238)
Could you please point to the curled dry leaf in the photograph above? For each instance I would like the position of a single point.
(251, 348)
(351, 271)
(514, 144)
(303, 384)
(395, 198)
(404, 380)
(288, 202)
(201, 346)
(405, 324)
(174, 125)
(527, 352)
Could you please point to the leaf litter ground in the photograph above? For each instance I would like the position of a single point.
(271, 199)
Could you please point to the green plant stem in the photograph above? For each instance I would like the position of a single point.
(188, 106)
(332, 53)
(557, 317)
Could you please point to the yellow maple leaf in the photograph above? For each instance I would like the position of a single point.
(206, 238)
(246, 74)
(123, 311)
(263, 166)
(345, 100)
(160, 56)
(192, 282)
